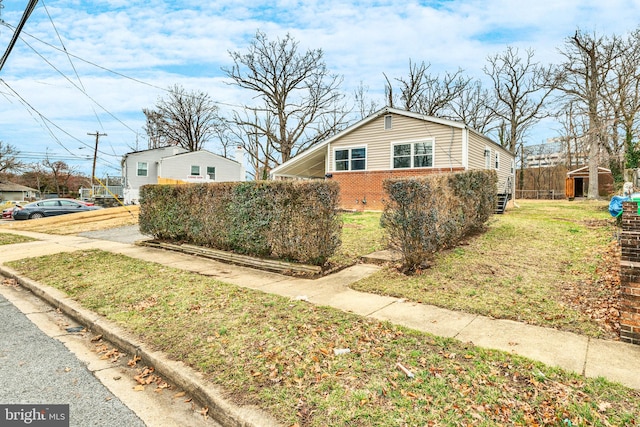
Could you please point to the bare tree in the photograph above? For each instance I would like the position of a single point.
(572, 135)
(521, 89)
(622, 97)
(61, 173)
(475, 107)
(589, 61)
(186, 119)
(364, 105)
(8, 159)
(296, 91)
(423, 93)
(153, 129)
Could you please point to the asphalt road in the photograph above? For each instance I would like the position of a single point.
(37, 369)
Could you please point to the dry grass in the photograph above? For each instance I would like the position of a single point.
(523, 268)
(79, 222)
(278, 353)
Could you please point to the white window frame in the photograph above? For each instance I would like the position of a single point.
(139, 168)
(198, 170)
(487, 158)
(350, 158)
(497, 160)
(211, 173)
(412, 156)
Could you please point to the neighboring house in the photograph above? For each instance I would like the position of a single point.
(11, 191)
(176, 165)
(396, 143)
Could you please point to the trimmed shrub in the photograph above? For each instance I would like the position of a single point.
(292, 220)
(426, 214)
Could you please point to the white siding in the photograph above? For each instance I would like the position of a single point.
(447, 141)
(152, 158)
(179, 167)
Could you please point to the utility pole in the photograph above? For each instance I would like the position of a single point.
(95, 155)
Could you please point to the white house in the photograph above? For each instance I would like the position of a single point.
(177, 165)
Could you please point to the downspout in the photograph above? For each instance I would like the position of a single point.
(465, 148)
(450, 149)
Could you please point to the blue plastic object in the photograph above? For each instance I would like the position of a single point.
(615, 205)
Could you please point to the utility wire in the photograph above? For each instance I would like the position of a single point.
(82, 90)
(46, 121)
(133, 79)
(16, 34)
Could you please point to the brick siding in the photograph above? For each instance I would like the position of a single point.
(630, 274)
(363, 190)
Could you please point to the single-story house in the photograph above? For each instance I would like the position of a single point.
(396, 143)
(11, 191)
(177, 165)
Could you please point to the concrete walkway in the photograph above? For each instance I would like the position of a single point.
(615, 361)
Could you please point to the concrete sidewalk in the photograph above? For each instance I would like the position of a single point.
(615, 361)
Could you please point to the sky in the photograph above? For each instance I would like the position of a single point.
(86, 67)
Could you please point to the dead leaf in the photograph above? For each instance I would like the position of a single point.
(139, 387)
(205, 412)
(180, 394)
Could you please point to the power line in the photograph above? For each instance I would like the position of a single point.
(30, 7)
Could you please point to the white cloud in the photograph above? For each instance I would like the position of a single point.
(187, 41)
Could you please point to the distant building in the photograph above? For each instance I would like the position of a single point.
(12, 191)
(177, 165)
(552, 153)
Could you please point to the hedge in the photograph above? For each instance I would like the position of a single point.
(290, 220)
(426, 214)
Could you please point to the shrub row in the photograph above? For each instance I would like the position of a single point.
(291, 220)
(427, 214)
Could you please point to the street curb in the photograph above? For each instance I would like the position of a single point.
(225, 413)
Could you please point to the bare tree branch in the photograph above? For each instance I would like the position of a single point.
(297, 93)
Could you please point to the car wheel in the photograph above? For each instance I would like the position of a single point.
(36, 215)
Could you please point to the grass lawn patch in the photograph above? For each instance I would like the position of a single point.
(10, 239)
(549, 263)
(361, 235)
(279, 354)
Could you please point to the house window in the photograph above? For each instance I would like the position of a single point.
(487, 158)
(513, 166)
(351, 159)
(413, 155)
(142, 169)
(497, 160)
(211, 173)
(387, 122)
(195, 170)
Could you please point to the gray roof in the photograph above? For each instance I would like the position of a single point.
(10, 186)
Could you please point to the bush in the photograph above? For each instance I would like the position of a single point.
(290, 220)
(424, 215)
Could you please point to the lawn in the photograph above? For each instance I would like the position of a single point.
(279, 354)
(549, 263)
(10, 239)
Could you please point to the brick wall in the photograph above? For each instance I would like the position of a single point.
(363, 190)
(630, 274)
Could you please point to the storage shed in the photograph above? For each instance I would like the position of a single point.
(577, 182)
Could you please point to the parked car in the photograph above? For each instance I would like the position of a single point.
(8, 206)
(51, 207)
(7, 213)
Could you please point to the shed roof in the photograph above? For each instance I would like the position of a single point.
(583, 172)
